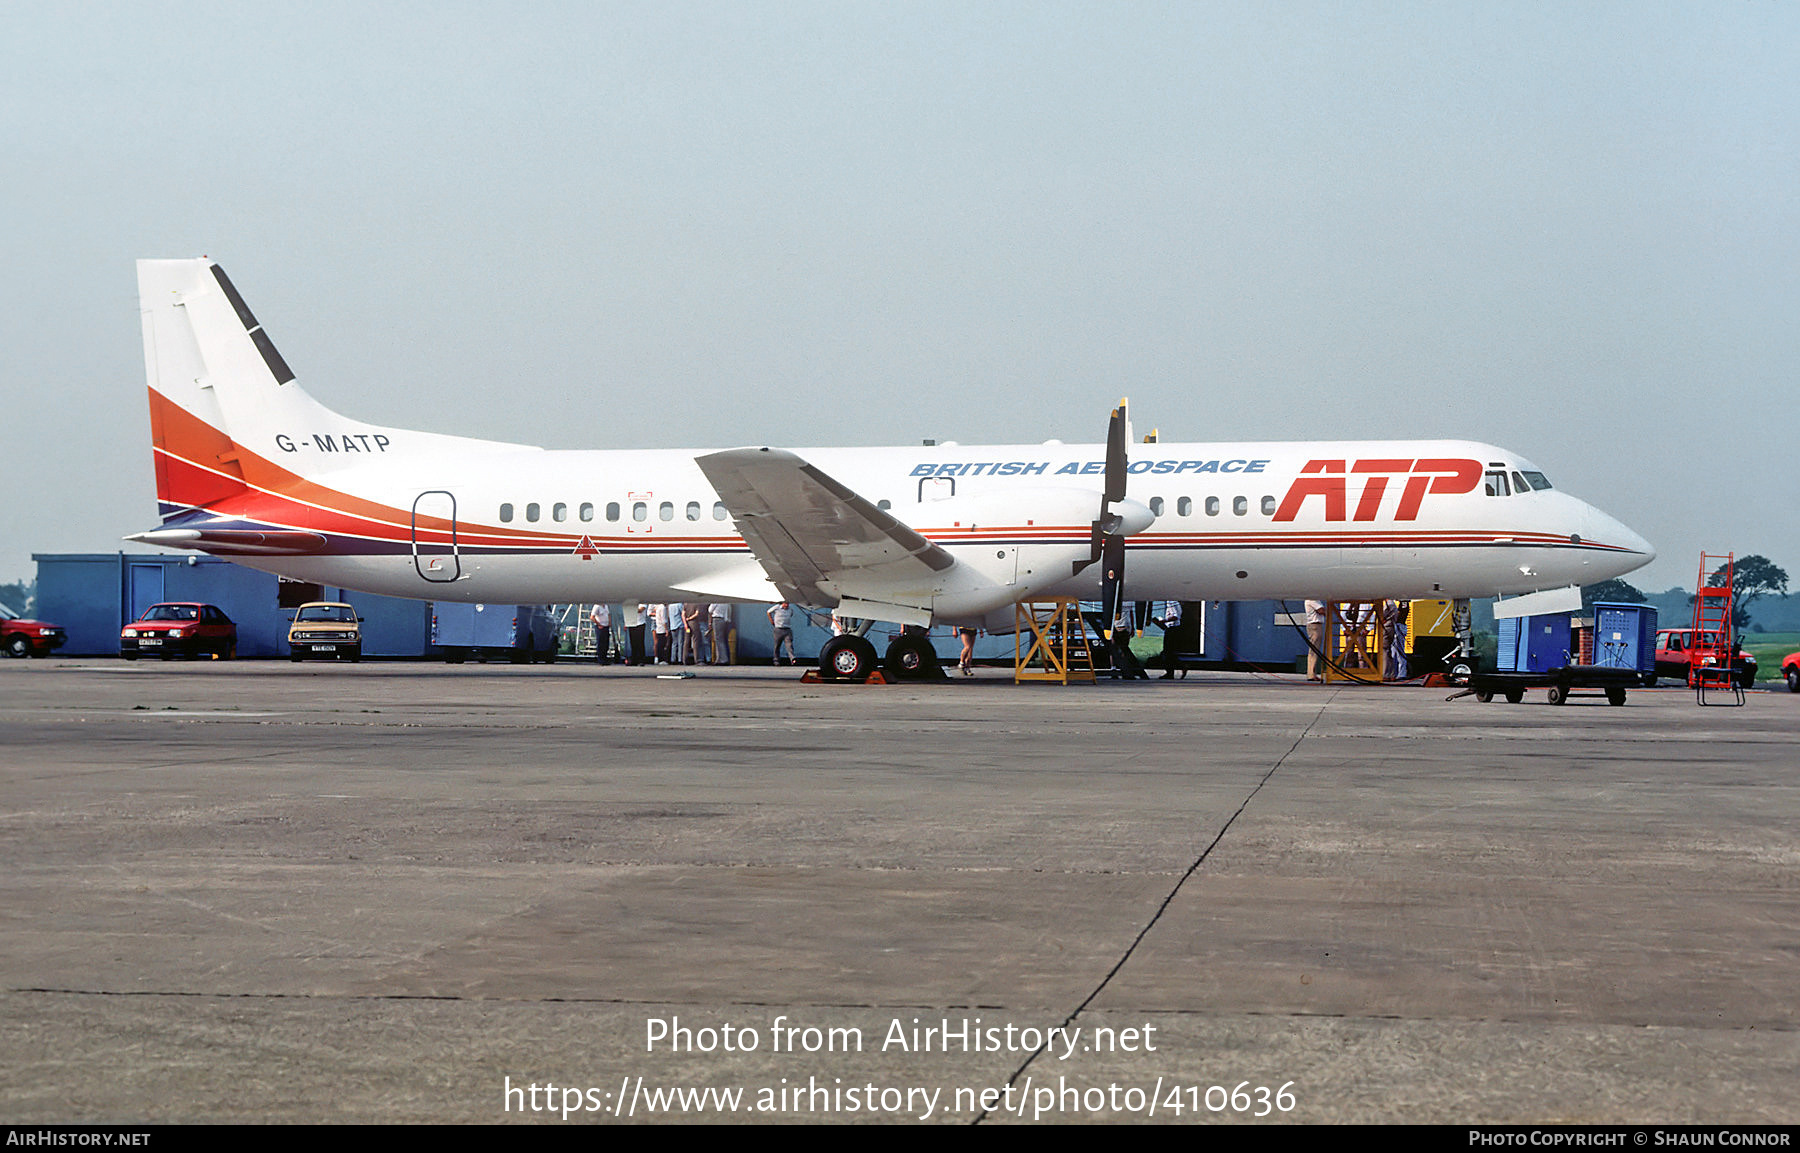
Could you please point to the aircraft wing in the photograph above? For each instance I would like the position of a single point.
(813, 536)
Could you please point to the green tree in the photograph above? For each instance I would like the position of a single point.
(18, 595)
(1613, 591)
(1752, 578)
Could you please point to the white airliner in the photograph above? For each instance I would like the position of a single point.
(250, 467)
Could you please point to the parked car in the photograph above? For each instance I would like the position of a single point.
(189, 630)
(1672, 655)
(325, 629)
(22, 638)
(1790, 668)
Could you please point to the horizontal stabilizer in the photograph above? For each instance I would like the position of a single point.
(246, 542)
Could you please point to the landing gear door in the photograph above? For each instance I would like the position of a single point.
(434, 537)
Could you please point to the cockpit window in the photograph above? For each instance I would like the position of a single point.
(1496, 483)
(1539, 482)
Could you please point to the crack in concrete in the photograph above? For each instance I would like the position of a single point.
(1168, 900)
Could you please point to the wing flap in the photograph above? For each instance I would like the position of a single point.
(810, 532)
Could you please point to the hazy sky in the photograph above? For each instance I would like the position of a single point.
(1572, 230)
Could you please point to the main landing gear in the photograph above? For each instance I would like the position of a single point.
(910, 657)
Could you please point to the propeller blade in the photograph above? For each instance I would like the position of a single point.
(1112, 579)
(1106, 524)
(1112, 545)
(1118, 433)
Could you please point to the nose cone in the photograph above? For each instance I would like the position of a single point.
(1630, 550)
(1133, 517)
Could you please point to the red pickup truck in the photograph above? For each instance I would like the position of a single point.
(1673, 656)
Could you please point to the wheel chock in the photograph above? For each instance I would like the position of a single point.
(812, 677)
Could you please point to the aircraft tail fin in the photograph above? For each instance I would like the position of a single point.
(224, 404)
(214, 376)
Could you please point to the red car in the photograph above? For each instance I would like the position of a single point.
(170, 630)
(23, 638)
(1790, 668)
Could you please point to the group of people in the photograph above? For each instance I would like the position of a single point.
(1165, 615)
(680, 634)
(1358, 649)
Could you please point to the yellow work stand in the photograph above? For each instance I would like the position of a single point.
(1355, 642)
(1059, 650)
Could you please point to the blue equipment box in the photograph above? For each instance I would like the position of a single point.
(1625, 636)
(1535, 644)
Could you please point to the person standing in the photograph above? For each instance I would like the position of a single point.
(659, 633)
(966, 661)
(693, 623)
(678, 638)
(1315, 639)
(781, 620)
(632, 617)
(600, 616)
(721, 634)
(1394, 668)
(1169, 622)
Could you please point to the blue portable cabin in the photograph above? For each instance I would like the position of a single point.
(1625, 636)
(526, 632)
(1535, 644)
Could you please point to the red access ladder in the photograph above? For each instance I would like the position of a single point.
(1713, 645)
